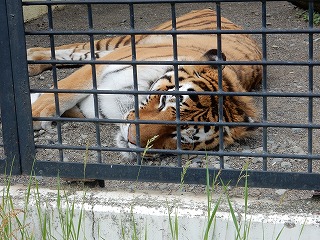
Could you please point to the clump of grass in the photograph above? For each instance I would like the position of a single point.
(15, 220)
(14, 223)
(305, 16)
(212, 207)
(173, 223)
(134, 233)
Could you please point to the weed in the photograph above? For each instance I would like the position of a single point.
(305, 16)
(71, 218)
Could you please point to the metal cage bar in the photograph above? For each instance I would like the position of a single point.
(15, 107)
(263, 177)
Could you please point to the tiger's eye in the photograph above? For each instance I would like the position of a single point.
(162, 102)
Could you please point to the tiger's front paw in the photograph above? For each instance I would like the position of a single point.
(44, 106)
(38, 54)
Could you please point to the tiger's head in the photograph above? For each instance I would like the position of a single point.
(193, 107)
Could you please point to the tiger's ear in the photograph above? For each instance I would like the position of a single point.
(212, 55)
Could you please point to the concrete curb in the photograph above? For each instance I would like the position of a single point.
(110, 215)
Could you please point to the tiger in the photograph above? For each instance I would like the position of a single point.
(164, 80)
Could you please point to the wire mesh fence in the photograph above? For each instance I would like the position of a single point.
(283, 149)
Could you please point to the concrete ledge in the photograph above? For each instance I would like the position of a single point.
(33, 12)
(110, 215)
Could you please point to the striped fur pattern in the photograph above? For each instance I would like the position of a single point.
(202, 78)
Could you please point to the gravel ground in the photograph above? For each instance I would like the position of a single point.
(280, 47)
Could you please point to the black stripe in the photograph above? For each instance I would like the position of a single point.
(119, 41)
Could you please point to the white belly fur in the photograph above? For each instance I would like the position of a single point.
(115, 106)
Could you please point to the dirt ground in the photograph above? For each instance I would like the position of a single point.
(280, 79)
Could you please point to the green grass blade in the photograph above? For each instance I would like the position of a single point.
(232, 212)
(301, 230)
(278, 236)
(212, 217)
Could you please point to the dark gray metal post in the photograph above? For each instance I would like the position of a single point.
(15, 97)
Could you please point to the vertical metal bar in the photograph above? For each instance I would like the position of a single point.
(220, 89)
(18, 73)
(55, 79)
(310, 79)
(176, 79)
(264, 85)
(94, 82)
(135, 79)
(8, 111)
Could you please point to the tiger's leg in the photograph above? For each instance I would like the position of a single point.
(45, 105)
(43, 54)
(75, 51)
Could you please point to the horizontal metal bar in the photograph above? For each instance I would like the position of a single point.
(67, 2)
(177, 152)
(176, 62)
(138, 121)
(307, 181)
(175, 32)
(177, 92)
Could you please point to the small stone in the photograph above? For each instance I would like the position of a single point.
(195, 165)
(227, 166)
(197, 160)
(289, 224)
(246, 147)
(39, 178)
(245, 151)
(131, 188)
(216, 165)
(52, 130)
(164, 163)
(259, 150)
(189, 157)
(276, 160)
(212, 158)
(41, 77)
(65, 158)
(297, 130)
(298, 150)
(280, 191)
(256, 160)
(84, 136)
(285, 164)
(162, 187)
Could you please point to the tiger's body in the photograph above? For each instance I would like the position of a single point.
(190, 47)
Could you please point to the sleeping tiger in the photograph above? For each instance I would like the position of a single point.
(153, 77)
